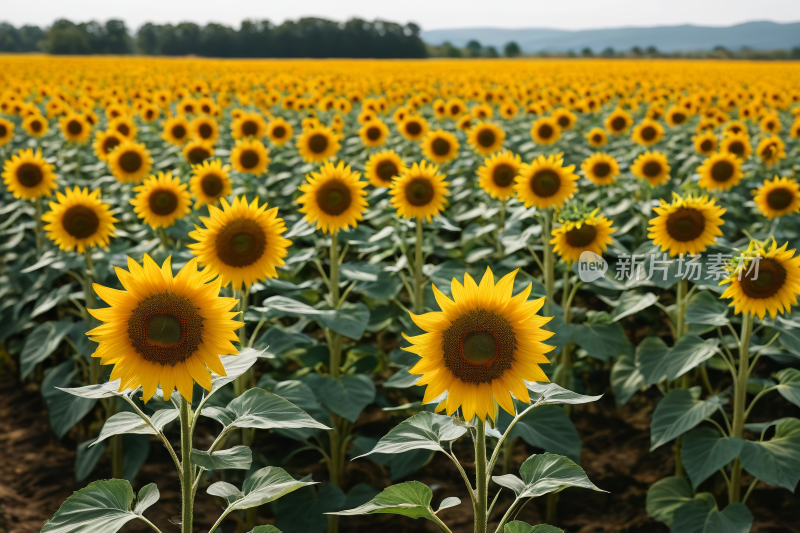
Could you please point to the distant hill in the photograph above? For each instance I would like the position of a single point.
(686, 38)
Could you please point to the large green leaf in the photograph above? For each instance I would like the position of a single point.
(602, 341)
(127, 422)
(521, 527)
(423, 431)
(702, 516)
(679, 412)
(86, 458)
(411, 498)
(41, 342)
(50, 300)
(632, 302)
(626, 379)
(263, 486)
(658, 362)
(547, 427)
(704, 451)
(652, 359)
(238, 457)
(235, 365)
(545, 473)
(665, 496)
(257, 408)
(350, 320)
(776, 461)
(550, 393)
(265, 529)
(346, 396)
(705, 308)
(63, 410)
(789, 384)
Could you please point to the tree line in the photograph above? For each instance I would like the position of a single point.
(307, 37)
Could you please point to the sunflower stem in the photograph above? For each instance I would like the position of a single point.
(334, 276)
(508, 455)
(39, 241)
(187, 470)
(481, 478)
(680, 331)
(418, 294)
(549, 264)
(739, 398)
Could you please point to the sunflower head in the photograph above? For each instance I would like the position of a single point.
(6, 131)
(596, 137)
(161, 200)
(333, 198)
(653, 167)
(600, 168)
(481, 348)
(210, 182)
(545, 130)
(778, 197)
(204, 128)
(318, 143)
(618, 122)
(581, 231)
(130, 162)
(497, 175)
(677, 116)
(79, 219)
(705, 143)
(737, 144)
(250, 156)
(27, 175)
(647, 133)
(196, 151)
(420, 192)
(564, 118)
(75, 128)
(374, 133)
(720, 172)
(35, 124)
(124, 125)
(382, 167)
(279, 131)
(440, 146)
(546, 182)
(486, 138)
(105, 142)
(176, 130)
(687, 225)
(249, 125)
(413, 127)
(771, 150)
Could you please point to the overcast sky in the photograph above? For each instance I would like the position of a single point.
(429, 14)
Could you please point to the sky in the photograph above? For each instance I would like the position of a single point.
(429, 14)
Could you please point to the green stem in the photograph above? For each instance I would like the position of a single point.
(549, 264)
(418, 294)
(508, 455)
(334, 276)
(481, 481)
(39, 241)
(187, 468)
(739, 398)
(337, 436)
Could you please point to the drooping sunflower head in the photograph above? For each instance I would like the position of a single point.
(75, 128)
(130, 162)
(486, 138)
(249, 125)
(737, 144)
(720, 172)
(647, 133)
(764, 279)
(242, 242)
(705, 143)
(333, 198)
(596, 137)
(27, 175)
(440, 146)
(687, 225)
(250, 156)
(778, 197)
(6, 131)
(36, 126)
(176, 130)
(318, 143)
(771, 150)
(618, 122)
(161, 200)
(481, 348)
(545, 130)
(279, 131)
(546, 182)
(164, 330)
(497, 175)
(204, 128)
(382, 167)
(653, 167)
(105, 142)
(420, 192)
(413, 127)
(197, 150)
(79, 219)
(600, 168)
(581, 232)
(374, 133)
(210, 182)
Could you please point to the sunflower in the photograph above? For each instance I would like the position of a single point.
(481, 111)
(334, 197)
(420, 192)
(413, 128)
(318, 143)
(250, 156)
(79, 220)
(720, 172)
(778, 197)
(105, 142)
(204, 128)
(483, 345)
(383, 167)
(705, 143)
(75, 128)
(676, 116)
(545, 130)
(647, 133)
(687, 225)
(770, 123)
(27, 175)
(124, 125)
(176, 130)
(440, 146)
(653, 167)
(161, 200)
(150, 113)
(164, 330)
(771, 286)
(734, 127)
(564, 118)
(465, 122)
(455, 107)
(279, 131)
(497, 175)
(374, 133)
(36, 125)
(546, 182)
(771, 150)
(196, 151)
(738, 145)
(486, 138)
(130, 162)
(249, 125)
(590, 233)
(210, 182)
(600, 168)
(596, 137)
(618, 122)
(241, 242)
(401, 114)
(6, 131)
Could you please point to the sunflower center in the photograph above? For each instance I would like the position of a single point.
(545, 131)
(455, 110)
(596, 138)
(163, 202)
(545, 183)
(36, 126)
(503, 175)
(278, 132)
(206, 131)
(563, 121)
(198, 154)
(80, 221)
(686, 224)
(648, 133)
(109, 143)
(601, 169)
(123, 129)
(179, 132)
(581, 237)
(440, 147)
(373, 133)
(249, 159)
(779, 199)
(130, 162)
(334, 197)
(479, 346)
(736, 148)
(619, 123)
(211, 184)
(706, 145)
(722, 171)
(165, 328)
(74, 127)
(386, 170)
(318, 143)
(766, 282)
(29, 175)
(241, 243)
(413, 127)
(419, 192)
(678, 118)
(486, 138)
(651, 169)
(767, 151)
(3, 131)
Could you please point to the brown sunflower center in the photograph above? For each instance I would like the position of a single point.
(601, 169)
(545, 131)
(36, 126)
(74, 127)
(413, 127)
(648, 133)
(334, 197)
(179, 132)
(651, 169)
(440, 146)
(241, 243)
(479, 346)
(722, 171)
(278, 132)
(373, 133)
(130, 161)
(211, 185)
(249, 128)
(503, 175)
(163, 202)
(198, 154)
(386, 170)
(766, 282)
(419, 192)
(165, 328)
(205, 130)
(318, 143)
(768, 151)
(123, 129)
(779, 199)
(109, 143)
(686, 224)
(3, 131)
(249, 158)
(563, 121)
(545, 183)
(29, 175)
(80, 221)
(707, 145)
(581, 237)
(736, 148)
(596, 138)
(618, 123)
(455, 110)
(486, 138)
(678, 118)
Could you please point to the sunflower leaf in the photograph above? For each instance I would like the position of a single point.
(423, 431)
(521, 527)
(550, 393)
(776, 461)
(679, 412)
(545, 473)
(665, 496)
(266, 485)
(412, 499)
(238, 457)
(257, 408)
(101, 507)
(127, 422)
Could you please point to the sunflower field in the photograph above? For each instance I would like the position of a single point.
(322, 296)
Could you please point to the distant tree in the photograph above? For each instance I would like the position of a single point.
(147, 40)
(796, 52)
(448, 50)
(474, 48)
(64, 37)
(652, 50)
(571, 53)
(637, 51)
(490, 51)
(512, 49)
(608, 52)
(587, 52)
